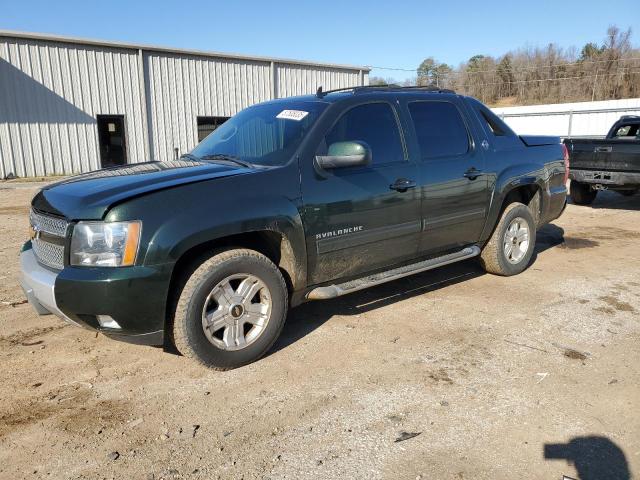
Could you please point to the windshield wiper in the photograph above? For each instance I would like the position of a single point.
(227, 158)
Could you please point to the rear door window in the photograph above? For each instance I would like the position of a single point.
(440, 129)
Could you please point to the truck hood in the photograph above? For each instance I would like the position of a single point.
(89, 196)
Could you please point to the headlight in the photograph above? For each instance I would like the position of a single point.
(105, 244)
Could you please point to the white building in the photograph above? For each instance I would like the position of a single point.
(71, 105)
(580, 119)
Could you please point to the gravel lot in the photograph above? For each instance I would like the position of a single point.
(489, 372)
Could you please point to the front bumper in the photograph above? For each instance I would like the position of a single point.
(597, 177)
(135, 297)
(38, 284)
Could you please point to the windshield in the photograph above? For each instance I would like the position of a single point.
(267, 134)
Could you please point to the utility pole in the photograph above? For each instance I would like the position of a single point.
(595, 79)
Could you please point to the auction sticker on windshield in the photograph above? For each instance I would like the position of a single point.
(296, 115)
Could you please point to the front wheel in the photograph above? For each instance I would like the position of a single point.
(231, 309)
(510, 248)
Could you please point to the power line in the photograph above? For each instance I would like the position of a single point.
(556, 79)
(598, 75)
(549, 79)
(528, 66)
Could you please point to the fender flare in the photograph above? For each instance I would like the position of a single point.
(511, 178)
(179, 234)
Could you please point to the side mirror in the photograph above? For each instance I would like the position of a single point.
(345, 154)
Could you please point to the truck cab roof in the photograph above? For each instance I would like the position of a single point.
(370, 91)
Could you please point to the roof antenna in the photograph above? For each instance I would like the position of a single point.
(319, 91)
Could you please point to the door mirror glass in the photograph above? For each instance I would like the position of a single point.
(345, 154)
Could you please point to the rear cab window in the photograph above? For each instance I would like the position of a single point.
(497, 132)
(628, 132)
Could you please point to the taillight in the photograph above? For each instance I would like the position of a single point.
(565, 154)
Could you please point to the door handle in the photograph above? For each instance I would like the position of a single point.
(402, 185)
(603, 149)
(472, 173)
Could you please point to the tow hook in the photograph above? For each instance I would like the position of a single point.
(599, 186)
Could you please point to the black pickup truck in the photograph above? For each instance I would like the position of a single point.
(296, 199)
(610, 163)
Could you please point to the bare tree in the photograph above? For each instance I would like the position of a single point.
(610, 70)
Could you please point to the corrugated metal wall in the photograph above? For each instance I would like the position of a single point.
(302, 80)
(52, 90)
(50, 94)
(183, 88)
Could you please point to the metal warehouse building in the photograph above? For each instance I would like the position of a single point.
(72, 105)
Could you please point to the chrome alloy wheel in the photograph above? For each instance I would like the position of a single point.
(236, 312)
(516, 240)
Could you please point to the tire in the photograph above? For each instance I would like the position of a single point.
(582, 193)
(496, 257)
(215, 290)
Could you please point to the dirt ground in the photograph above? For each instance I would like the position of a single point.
(533, 377)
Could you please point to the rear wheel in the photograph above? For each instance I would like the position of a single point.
(510, 248)
(231, 309)
(582, 193)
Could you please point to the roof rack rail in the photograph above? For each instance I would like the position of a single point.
(387, 87)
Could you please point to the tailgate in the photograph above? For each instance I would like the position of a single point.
(581, 153)
(605, 155)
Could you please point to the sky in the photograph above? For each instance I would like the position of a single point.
(380, 34)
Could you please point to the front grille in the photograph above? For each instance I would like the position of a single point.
(48, 239)
(48, 254)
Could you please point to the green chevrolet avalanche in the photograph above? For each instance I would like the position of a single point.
(296, 199)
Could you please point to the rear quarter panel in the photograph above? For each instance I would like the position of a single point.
(542, 166)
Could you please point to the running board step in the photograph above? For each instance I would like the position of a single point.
(332, 291)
